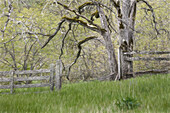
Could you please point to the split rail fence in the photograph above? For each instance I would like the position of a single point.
(53, 78)
(128, 56)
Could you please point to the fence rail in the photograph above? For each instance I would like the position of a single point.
(36, 78)
(146, 59)
(147, 52)
(154, 71)
(128, 57)
(54, 78)
(24, 86)
(25, 72)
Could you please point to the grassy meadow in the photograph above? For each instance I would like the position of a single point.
(146, 94)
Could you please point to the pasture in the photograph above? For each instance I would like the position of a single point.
(149, 94)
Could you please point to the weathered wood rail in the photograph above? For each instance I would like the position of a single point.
(128, 56)
(54, 78)
(147, 52)
(146, 59)
(25, 72)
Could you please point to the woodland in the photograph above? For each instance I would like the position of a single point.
(85, 35)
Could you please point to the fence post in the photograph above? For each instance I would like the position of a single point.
(12, 82)
(52, 71)
(119, 63)
(58, 74)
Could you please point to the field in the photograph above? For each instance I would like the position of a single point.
(147, 94)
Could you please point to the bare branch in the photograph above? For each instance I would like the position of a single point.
(10, 9)
(115, 4)
(52, 36)
(29, 33)
(153, 15)
(81, 7)
(79, 52)
(79, 15)
(97, 29)
(32, 33)
(28, 53)
(64, 40)
(91, 25)
(12, 54)
(5, 62)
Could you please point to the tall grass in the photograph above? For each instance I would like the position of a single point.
(151, 92)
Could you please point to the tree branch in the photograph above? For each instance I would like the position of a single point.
(79, 15)
(153, 15)
(27, 54)
(79, 52)
(52, 36)
(81, 7)
(97, 29)
(10, 8)
(64, 40)
(115, 4)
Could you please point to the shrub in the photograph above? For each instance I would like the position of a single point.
(127, 103)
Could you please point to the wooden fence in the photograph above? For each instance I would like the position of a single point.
(127, 57)
(53, 78)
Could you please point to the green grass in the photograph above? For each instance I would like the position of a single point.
(149, 94)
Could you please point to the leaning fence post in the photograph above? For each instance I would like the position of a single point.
(52, 71)
(12, 82)
(58, 74)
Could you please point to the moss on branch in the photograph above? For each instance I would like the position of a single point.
(75, 20)
(85, 24)
(96, 14)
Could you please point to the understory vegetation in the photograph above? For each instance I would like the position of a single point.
(149, 94)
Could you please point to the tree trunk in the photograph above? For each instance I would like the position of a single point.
(126, 38)
(109, 46)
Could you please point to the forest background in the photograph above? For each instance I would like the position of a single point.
(26, 25)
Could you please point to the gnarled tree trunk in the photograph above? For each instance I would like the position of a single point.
(127, 14)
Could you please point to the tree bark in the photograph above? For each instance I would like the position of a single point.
(126, 35)
(108, 44)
